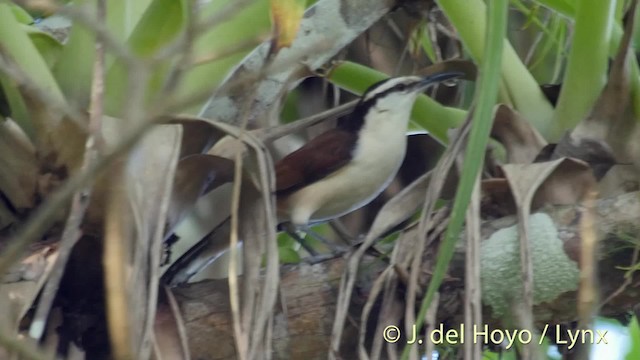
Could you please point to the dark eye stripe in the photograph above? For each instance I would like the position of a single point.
(397, 87)
(353, 122)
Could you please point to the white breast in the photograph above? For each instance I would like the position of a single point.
(376, 160)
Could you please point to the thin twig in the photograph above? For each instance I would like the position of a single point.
(226, 52)
(80, 202)
(628, 277)
(271, 134)
(234, 295)
(186, 56)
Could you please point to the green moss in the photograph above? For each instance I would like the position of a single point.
(553, 272)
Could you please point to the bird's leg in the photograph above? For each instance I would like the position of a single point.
(298, 236)
(331, 246)
(298, 233)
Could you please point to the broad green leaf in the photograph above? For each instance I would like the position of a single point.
(47, 45)
(17, 106)
(587, 64)
(288, 255)
(17, 44)
(162, 22)
(21, 15)
(518, 87)
(123, 16)
(284, 240)
(74, 69)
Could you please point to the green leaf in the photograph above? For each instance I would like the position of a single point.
(634, 331)
(21, 15)
(123, 16)
(288, 255)
(17, 44)
(15, 40)
(563, 7)
(284, 240)
(47, 45)
(519, 88)
(161, 23)
(425, 42)
(74, 69)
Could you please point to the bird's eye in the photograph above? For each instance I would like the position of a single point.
(401, 87)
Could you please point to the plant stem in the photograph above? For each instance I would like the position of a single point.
(486, 95)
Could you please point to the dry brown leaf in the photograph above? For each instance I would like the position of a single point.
(567, 184)
(619, 180)
(197, 136)
(560, 182)
(204, 233)
(59, 141)
(400, 207)
(257, 229)
(521, 141)
(497, 199)
(134, 232)
(594, 152)
(255, 226)
(195, 176)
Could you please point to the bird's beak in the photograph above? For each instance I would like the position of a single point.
(435, 78)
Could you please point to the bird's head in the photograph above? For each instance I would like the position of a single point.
(399, 91)
(393, 98)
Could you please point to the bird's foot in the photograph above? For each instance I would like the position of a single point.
(298, 233)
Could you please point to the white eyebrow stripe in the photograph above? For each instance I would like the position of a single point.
(388, 85)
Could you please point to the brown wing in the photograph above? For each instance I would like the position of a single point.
(317, 159)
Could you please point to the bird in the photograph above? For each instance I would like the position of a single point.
(335, 173)
(345, 168)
